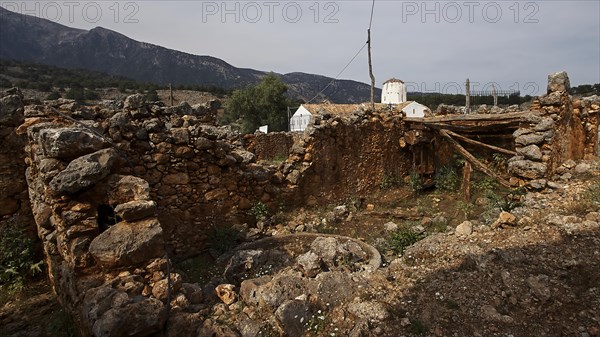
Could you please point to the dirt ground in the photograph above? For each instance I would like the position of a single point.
(539, 276)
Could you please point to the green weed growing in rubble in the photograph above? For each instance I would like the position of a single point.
(17, 259)
(447, 179)
(259, 210)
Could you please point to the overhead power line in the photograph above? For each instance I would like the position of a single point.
(351, 60)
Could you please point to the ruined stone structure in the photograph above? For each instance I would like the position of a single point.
(116, 193)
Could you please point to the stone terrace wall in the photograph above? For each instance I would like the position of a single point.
(269, 146)
(14, 201)
(565, 129)
(588, 110)
(103, 271)
(199, 175)
(346, 156)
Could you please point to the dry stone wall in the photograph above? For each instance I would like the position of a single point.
(271, 146)
(346, 156)
(562, 129)
(14, 201)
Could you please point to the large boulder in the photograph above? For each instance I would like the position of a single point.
(142, 318)
(68, 143)
(530, 139)
(128, 244)
(559, 82)
(293, 315)
(134, 101)
(84, 172)
(532, 152)
(136, 210)
(11, 110)
(123, 189)
(527, 169)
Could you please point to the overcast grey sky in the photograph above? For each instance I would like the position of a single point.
(431, 45)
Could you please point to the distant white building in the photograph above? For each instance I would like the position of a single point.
(415, 109)
(393, 92)
(304, 114)
(300, 119)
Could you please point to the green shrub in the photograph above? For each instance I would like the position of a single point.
(447, 179)
(399, 241)
(259, 210)
(415, 182)
(389, 181)
(222, 238)
(18, 260)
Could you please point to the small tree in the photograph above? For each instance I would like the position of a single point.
(261, 104)
(152, 96)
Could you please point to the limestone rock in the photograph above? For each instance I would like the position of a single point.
(529, 139)
(84, 172)
(126, 244)
(181, 178)
(203, 143)
(160, 289)
(243, 156)
(226, 293)
(531, 152)
(547, 123)
(192, 292)
(505, 219)
(582, 168)
(390, 227)
(464, 229)
(136, 210)
(326, 249)
(538, 184)
(552, 99)
(11, 110)
(68, 143)
(559, 82)
(136, 319)
(293, 315)
(527, 169)
(134, 101)
(180, 135)
(123, 189)
(372, 311)
(310, 263)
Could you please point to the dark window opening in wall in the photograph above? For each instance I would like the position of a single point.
(107, 217)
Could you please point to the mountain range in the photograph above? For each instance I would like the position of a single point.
(33, 39)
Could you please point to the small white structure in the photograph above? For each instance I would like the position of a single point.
(300, 119)
(415, 109)
(393, 92)
(264, 129)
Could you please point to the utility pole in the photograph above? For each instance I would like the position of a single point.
(468, 97)
(371, 71)
(495, 94)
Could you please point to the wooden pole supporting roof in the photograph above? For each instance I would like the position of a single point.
(470, 158)
(475, 142)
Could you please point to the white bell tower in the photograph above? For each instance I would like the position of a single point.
(393, 92)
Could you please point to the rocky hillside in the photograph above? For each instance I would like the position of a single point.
(29, 38)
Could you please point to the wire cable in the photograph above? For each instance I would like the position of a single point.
(351, 60)
(372, 11)
(339, 74)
